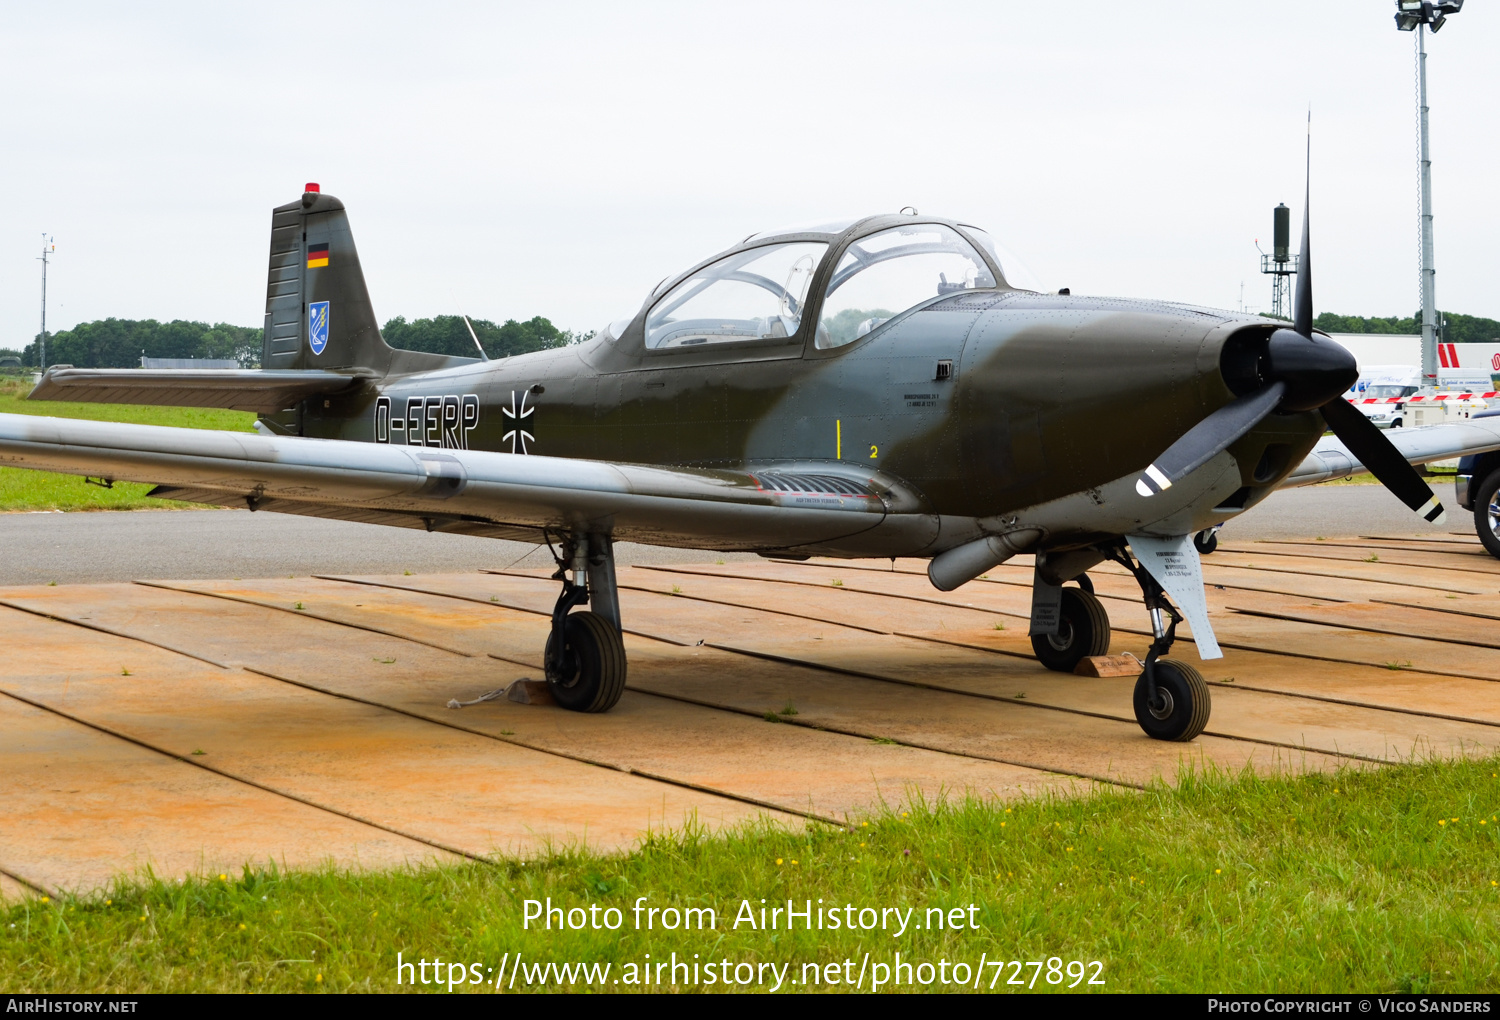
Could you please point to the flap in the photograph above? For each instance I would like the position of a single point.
(359, 515)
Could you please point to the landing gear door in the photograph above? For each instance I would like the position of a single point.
(1176, 566)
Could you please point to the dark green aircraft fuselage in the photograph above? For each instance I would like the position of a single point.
(1046, 396)
(981, 402)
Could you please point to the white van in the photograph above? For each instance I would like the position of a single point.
(1380, 393)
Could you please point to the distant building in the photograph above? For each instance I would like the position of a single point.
(173, 363)
(10, 361)
(1470, 367)
(1382, 348)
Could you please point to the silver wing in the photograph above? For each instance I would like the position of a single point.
(1330, 459)
(776, 507)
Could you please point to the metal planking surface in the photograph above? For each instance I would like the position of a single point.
(880, 657)
(455, 790)
(82, 807)
(686, 746)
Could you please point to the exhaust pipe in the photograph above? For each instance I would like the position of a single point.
(962, 564)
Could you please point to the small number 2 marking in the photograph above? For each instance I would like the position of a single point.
(874, 451)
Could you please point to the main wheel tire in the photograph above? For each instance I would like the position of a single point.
(592, 676)
(1083, 630)
(1487, 512)
(1206, 541)
(1183, 706)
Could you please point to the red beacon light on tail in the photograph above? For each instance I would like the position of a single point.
(311, 187)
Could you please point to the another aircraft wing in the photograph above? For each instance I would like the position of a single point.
(1330, 459)
(477, 492)
(251, 389)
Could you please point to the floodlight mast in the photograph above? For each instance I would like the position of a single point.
(1429, 270)
(1417, 15)
(47, 248)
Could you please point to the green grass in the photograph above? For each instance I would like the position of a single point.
(21, 489)
(1362, 881)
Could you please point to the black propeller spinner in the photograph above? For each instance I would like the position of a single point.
(1293, 370)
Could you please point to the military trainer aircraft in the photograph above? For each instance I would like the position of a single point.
(878, 388)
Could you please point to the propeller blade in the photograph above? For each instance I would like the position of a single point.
(1209, 437)
(1302, 305)
(1383, 460)
(1371, 446)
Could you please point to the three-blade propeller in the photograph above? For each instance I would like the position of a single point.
(1297, 371)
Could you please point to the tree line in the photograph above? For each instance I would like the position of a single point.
(1456, 328)
(447, 334)
(121, 343)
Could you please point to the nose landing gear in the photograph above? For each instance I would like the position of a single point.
(585, 657)
(1171, 698)
(1178, 707)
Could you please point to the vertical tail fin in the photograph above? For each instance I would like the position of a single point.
(318, 312)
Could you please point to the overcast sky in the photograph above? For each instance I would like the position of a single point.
(559, 159)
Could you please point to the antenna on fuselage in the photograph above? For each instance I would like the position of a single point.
(477, 344)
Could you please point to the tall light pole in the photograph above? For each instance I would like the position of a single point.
(47, 249)
(1417, 16)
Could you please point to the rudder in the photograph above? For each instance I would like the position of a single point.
(318, 311)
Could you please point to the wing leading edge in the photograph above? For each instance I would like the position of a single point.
(478, 492)
(1331, 459)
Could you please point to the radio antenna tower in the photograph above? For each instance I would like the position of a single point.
(47, 249)
(1281, 264)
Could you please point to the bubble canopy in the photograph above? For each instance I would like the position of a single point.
(758, 290)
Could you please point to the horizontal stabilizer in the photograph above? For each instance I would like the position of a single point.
(250, 389)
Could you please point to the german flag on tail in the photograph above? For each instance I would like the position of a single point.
(317, 256)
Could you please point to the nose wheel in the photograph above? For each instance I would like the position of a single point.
(1171, 698)
(1176, 706)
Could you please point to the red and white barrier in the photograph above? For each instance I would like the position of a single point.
(1431, 398)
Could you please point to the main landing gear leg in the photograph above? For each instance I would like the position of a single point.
(1171, 697)
(585, 657)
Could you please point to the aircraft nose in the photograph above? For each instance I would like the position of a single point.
(1315, 370)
